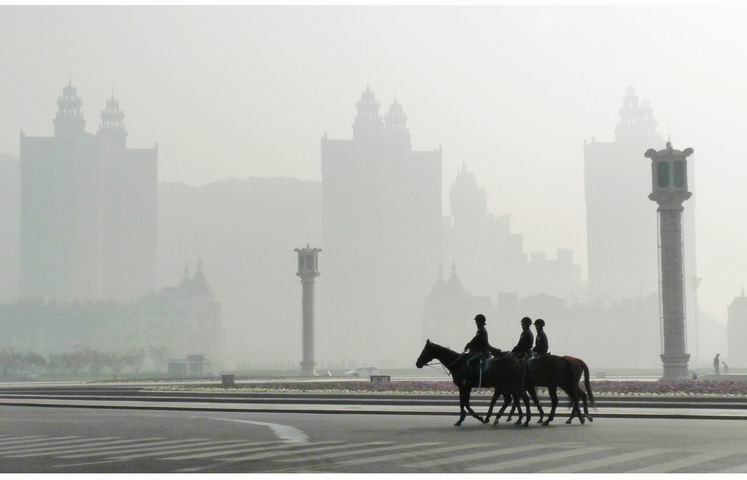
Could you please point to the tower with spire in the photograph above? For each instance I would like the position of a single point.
(88, 210)
(381, 220)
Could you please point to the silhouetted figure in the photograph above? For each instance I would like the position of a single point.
(726, 368)
(479, 343)
(716, 363)
(478, 347)
(540, 346)
(524, 347)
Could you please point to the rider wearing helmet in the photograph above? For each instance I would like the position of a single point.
(526, 340)
(479, 343)
(541, 346)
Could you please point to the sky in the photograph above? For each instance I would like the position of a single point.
(511, 91)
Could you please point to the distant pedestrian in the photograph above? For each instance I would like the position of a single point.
(726, 368)
(716, 363)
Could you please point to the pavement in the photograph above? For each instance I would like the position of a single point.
(94, 440)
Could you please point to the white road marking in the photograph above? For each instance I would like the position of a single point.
(89, 448)
(260, 456)
(23, 438)
(267, 446)
(202, 446)
(30, 443)
(364, 451)
(286, 433)
(685, 462)
(69, 443)
(419, 453)
(476, 456)
(148, 444)
(611, 460)
(522, 462)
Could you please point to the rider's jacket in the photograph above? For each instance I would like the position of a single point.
(524, 346)
(541, 346)
(479, 343)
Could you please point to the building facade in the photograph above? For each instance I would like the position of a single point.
(381, 221)
(88, 209)
(737, 332)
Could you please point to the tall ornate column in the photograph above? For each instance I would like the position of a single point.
(308, 270)
(669, 191)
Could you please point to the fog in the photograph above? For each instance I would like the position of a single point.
(507, 93)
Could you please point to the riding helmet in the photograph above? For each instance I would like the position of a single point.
(480, 318)
(539, 323)
(526, 321)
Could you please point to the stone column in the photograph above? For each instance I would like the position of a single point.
(308, 262)
(675, 358)
(669, 190)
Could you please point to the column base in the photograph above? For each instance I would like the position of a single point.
(675, 366)
(307, 369)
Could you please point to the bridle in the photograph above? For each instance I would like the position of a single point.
(442, 365)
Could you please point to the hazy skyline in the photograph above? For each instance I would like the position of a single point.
(511, 91)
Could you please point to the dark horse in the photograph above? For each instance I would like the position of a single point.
(505, 374)
(555, 372)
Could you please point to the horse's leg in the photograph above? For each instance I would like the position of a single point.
(577, 409)
(506, 401)
(553, 391)
(524, 395)
(462, 414)
(517, 403)
(496, 393)
(533, 394)
(469, 408)
(584, 398)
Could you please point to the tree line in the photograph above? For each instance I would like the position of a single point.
(81, 361)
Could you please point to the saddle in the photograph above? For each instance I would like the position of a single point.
(475, 368)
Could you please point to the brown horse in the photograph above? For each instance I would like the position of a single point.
(552, 372)
(504, 374)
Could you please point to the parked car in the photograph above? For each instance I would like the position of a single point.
(362, 372)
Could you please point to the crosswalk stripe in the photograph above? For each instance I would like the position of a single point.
(25, 438)
(52, 445)
(202, 446)
(265, 446)
(81, 447)
(420, 453)
(685, 462)
(356, 452)
(35, 442)
(611, 460)
(145, 444)
(477, 456)
(260, 456)
(735, 469)
(522, 462)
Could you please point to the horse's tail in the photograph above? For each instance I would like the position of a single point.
(587, 383)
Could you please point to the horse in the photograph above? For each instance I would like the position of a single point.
(553, 372)
(504, 374)
(581, 369)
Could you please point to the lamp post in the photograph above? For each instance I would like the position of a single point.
(669, 191)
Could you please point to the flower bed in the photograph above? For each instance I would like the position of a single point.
(599, 387)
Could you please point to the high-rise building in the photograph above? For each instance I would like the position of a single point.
(621, 228)
(737, 331)
(381, 220)
(88, 209)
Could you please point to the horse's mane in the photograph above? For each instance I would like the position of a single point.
(443, 349)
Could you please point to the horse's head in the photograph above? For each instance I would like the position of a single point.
(426, 355)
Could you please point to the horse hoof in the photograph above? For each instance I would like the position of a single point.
(458, 424)
(546, 423)
(590, 418)
(525, 424)
(569, 421)
(540, 421)
(479, 419)
(486, 421)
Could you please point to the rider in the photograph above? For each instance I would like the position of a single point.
(540, 346)
(524, 347)
(478, 347)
